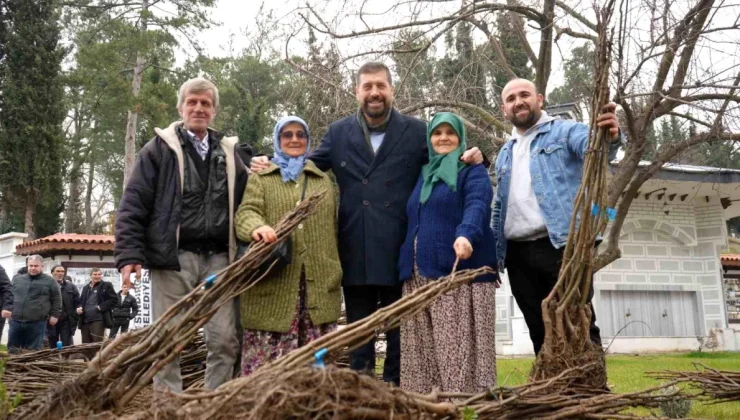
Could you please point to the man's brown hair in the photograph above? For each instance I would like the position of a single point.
(373, 67)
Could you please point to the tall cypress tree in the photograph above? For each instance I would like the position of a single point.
(32, 114)
(513, 52)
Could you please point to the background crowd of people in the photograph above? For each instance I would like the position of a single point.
(46, 310)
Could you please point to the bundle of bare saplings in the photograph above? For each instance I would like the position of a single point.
(566, 311)
(126, 365)
(712, 385)
(292, 387)
(30, 375)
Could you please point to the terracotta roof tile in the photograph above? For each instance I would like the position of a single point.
(68, 243)
(71, 238)
(730, 260)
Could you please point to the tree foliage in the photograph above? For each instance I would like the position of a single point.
(98, 99)
(31, 115)
(578, 78)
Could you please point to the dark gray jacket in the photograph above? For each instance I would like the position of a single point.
(107, 300)
(6, 291)
(70, 302)
(36, 298)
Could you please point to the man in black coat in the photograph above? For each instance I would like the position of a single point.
(176, 217)
(64, 330)
(124, 311)
(6, 298)
(376, 155)
(96, 303)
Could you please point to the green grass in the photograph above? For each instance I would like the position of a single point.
(627, 374)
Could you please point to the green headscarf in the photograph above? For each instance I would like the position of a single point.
(443, 167)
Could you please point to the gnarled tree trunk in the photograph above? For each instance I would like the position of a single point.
(133, 114)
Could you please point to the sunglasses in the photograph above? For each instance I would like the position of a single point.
(287, 135)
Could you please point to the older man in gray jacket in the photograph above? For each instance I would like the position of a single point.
(36, 301)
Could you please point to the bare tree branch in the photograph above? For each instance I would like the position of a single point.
(463, 13)
(670, 103)
(717, 125)
(312, 75)
(482, 113)
(579, 17)
(672, 48)
(670, 151)
(690, 118)
(560, 31)
(451, 24)
(501, 59)
(517, 22)
(687, 54)
(545, 56)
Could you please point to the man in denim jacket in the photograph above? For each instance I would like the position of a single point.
(539, 173)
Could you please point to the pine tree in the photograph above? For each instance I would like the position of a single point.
(31, 115)
(579, 76)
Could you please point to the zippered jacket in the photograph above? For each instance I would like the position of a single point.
(158, 209)
(36, 298)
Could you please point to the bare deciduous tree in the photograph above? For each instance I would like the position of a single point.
(671, 59)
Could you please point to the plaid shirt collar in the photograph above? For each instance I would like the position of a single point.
(201, 146)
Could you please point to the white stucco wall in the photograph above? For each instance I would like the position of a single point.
(8, 259)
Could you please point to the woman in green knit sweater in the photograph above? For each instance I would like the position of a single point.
(300, 302)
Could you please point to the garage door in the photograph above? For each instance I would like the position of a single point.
(649, 314)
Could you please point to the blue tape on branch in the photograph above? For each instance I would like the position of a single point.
(594, 210)
(319, 356)
(611, 214)
(210, 280)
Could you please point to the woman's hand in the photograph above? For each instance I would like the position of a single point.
(463, 249)
(265, 233)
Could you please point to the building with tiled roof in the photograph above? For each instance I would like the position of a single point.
(731, 276)
(66, 244)
(670, 286)
(77, 253)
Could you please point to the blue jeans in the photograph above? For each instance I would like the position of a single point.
(25, 335)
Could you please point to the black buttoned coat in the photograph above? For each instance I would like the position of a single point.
(374, 189)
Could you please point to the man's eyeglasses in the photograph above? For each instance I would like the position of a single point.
(287, 135)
